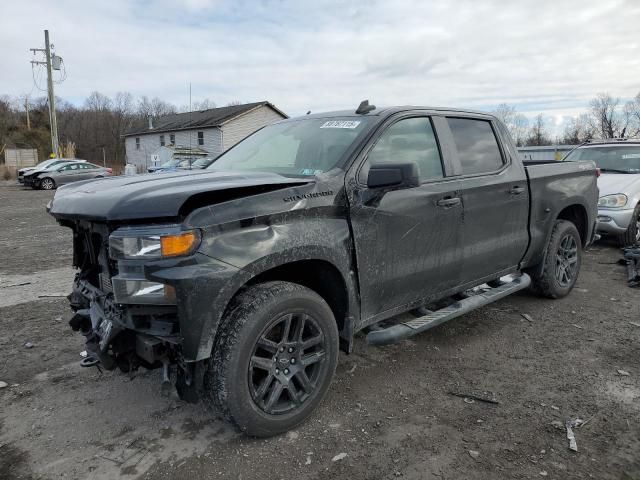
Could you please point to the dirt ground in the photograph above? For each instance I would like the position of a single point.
(389, 410)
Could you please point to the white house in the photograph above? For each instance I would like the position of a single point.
(212, 131)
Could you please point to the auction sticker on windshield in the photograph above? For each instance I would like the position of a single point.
(340, 124)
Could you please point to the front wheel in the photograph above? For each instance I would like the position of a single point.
(562, 262)
(274, 358)
(47, 184)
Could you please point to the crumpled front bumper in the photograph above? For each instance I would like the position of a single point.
(29, 181)
(614, 222)
(202, 286)
(95, 316)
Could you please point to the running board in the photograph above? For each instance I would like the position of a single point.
(408, 329)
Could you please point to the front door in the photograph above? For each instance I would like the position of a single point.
(406, 239)
(69, 173)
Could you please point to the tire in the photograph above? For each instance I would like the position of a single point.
(251, 380)
(562, 262)
(632, 235)
(47, 184)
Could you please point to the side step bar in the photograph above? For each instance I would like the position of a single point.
(400, 331)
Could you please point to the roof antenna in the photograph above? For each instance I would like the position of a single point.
(365, 108)
(308, 112)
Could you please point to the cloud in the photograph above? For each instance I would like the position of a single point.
(543, 56)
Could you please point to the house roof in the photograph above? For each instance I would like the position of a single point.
(213, 117)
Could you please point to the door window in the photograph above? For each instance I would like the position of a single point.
(476, 144)
(409, 140)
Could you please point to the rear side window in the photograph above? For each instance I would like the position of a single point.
(410, 140)
(476, 144)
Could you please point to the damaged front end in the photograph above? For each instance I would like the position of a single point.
(124, 337)
(128, 321)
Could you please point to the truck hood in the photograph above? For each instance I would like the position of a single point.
(156, 196)
(627, 183)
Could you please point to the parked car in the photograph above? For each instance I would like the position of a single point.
(168, 165)
(619, 184)
(251, 274)
(43, 165)
(180, 164)
(64, 173)
(29, 178)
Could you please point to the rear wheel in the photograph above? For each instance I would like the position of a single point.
(632, 235)
(562, 262)
(274, 358)
(47, 184)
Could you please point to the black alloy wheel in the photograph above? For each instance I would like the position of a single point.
(273, 359)
(566, 261)
(286, 363)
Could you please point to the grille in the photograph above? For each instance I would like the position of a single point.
(105, 282)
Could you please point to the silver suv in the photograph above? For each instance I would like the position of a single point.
(619, 184)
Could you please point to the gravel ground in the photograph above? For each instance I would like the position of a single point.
(389, 413)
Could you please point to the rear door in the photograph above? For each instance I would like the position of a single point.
(406, 239)
(89, 171)
(493, 185)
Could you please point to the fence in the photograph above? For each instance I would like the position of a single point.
(20, 157)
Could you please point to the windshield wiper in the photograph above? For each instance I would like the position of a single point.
(614, 170)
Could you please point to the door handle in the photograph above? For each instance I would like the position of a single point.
(448, 202)
(516, 190)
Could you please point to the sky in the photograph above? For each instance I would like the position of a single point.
(541, 56)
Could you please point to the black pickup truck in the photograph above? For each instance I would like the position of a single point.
(245, 279)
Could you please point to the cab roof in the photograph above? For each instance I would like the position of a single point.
(387, 111)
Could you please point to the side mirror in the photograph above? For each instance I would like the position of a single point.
(393, 175)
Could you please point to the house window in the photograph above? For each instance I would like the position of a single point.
(162, 140)
(137, 143)
(200, 138)
(172, 139)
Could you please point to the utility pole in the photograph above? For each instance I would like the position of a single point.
(52, 99)
(26, 107)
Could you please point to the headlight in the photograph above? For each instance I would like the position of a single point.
(613, 201)
(142, 292)
(129, 245)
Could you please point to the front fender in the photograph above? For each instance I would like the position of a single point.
(230, 256)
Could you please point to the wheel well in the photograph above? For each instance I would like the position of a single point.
(318, 275)
(577, 215)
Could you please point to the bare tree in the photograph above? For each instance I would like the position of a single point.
(205, 104)
(577, 130)
(515, 122)
(538, 134)
(154, 107)
(611, 119)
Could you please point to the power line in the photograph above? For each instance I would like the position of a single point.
(35, 80)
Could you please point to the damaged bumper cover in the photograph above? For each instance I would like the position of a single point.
(184, 328)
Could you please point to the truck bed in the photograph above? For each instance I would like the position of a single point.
(553, 184)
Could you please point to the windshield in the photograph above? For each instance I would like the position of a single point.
(300, 147)
(617, 159)
(44, 164)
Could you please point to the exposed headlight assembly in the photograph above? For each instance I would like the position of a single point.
(617, 200)
(132, 245)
